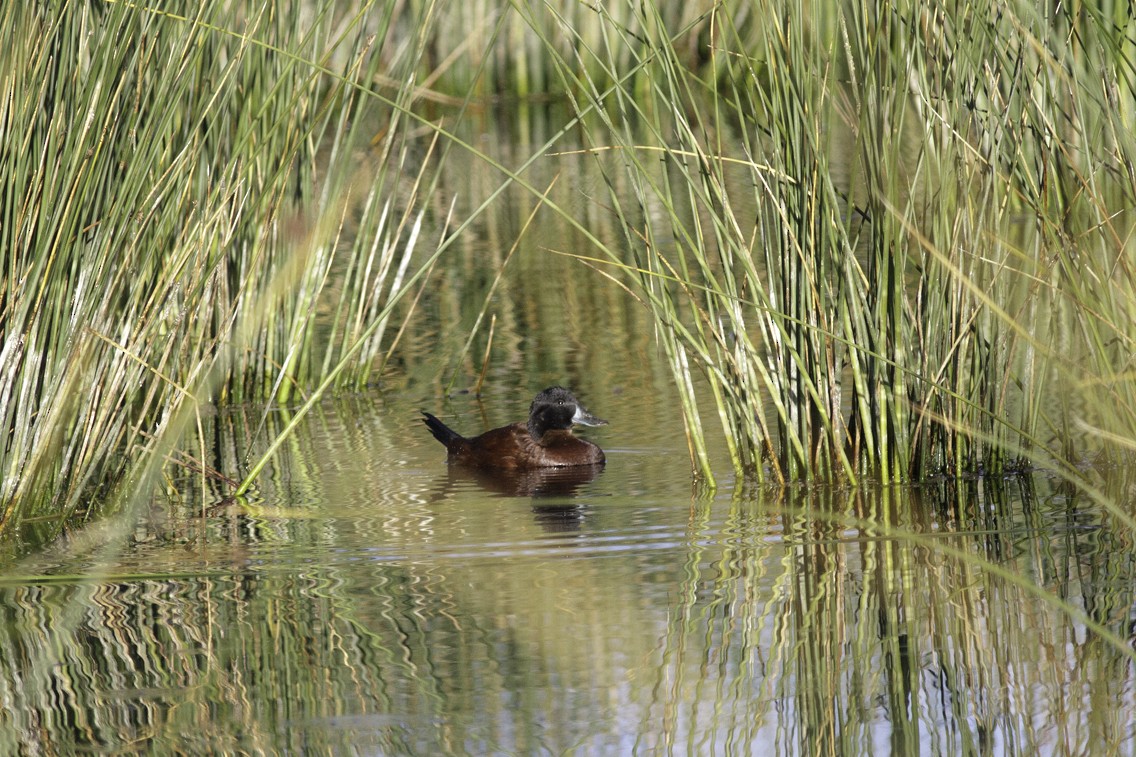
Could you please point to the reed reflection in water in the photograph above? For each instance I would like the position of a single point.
(452, 619)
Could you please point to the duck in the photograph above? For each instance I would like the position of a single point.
(545, 440)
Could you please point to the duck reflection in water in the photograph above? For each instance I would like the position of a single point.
(536, 482)
(537, 457)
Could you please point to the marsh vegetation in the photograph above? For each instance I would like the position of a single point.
(893, 245)
(855, 245)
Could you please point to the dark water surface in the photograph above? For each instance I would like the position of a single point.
(368, 599)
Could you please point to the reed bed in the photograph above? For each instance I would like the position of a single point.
(894, 241)
(891, 242)
(185, 199)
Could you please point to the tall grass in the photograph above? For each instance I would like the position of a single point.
(168, 238)
(893, 240)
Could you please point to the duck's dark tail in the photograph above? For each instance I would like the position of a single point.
(443, 433)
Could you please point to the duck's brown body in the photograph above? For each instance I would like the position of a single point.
(544, 442)
(512, 447)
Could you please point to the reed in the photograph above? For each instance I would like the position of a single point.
(168, 239)
(889, 244)
(891, 240)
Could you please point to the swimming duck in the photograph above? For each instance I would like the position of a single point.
(544, 441)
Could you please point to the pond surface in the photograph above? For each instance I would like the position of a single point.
(370, 599)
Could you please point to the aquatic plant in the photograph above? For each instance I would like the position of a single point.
(889, 243)
(892, 241)
(169, 241)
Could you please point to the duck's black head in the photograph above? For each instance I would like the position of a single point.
(554, 408)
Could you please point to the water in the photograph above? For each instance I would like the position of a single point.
(369, 599)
